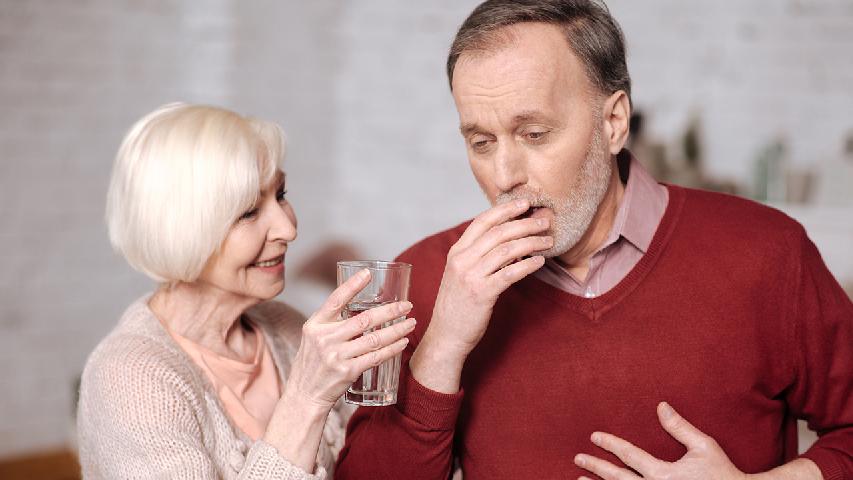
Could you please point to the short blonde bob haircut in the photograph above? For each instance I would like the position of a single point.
(183, 175)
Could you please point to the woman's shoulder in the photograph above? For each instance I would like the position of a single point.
(138, 352)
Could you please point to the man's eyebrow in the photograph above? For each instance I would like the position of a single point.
(522, 117)
(527, 116)
(468, 128)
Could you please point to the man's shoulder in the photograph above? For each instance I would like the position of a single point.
(434, 247)
(734, 215)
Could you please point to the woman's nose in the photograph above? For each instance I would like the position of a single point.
(283, 224)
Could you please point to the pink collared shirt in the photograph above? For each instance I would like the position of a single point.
(637, 218)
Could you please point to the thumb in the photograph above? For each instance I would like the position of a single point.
(680, 429)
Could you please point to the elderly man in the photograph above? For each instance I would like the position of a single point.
(556, 323)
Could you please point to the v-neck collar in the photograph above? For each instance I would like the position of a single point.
(594, 307)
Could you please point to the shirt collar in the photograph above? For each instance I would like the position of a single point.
(639, 212)
(643, 205)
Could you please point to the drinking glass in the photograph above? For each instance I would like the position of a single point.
(389, 282)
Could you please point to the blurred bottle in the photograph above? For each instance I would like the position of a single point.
(835, 186)
(650, 153)
(769, 183)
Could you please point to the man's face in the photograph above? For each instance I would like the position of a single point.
(533, 129)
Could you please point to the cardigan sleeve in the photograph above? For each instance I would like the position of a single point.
(822, 393)
(138, 418)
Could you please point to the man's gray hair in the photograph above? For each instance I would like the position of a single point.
(591, 32)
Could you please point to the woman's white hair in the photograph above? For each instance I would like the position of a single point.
(183, 175)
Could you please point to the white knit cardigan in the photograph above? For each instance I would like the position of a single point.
(147, 411)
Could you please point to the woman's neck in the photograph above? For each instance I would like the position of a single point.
(207, 316)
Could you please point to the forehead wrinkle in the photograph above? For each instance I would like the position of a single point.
(522, 51)
(475, 108)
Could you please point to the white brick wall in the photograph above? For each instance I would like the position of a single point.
(399, 148)
(754, 70)
(374, 153)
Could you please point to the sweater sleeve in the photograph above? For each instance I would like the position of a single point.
(137, 418)
(412, 439)
(823, 390)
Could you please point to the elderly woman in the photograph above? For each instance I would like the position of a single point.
(206, 377)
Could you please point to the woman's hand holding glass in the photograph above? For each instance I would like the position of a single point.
(333, 353)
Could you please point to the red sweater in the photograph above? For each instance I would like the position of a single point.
(731, 317)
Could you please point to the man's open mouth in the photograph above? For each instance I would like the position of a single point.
(529, 213)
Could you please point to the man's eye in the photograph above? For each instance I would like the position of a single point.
(479, 143)
(536, 135)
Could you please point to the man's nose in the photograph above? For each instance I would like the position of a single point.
(509, 167)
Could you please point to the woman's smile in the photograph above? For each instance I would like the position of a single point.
(273, 265)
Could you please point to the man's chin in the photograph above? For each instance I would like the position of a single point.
(557, 250)
(550, 253)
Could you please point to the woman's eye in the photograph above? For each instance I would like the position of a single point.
(249, 214)
(280, 196)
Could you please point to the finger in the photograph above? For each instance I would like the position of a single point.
(377, 339)
(371, 318)
(374, 358)
(603, 468)
(508, 252)
(331, 309)
(491, 217)
(680, 429)
(508, 231)
(503, 278)
(630, 455)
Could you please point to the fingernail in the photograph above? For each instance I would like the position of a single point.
(541, 222)
(412, 326)
(665, 410)
(405, 306)
(547, 241)
(521, 203)
(364, 273)
(596, 438)
(580, 460)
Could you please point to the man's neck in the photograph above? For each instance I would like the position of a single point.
(576, 260)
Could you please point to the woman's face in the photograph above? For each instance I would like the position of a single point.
(250, 263)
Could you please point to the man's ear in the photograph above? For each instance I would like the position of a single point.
(616, 115)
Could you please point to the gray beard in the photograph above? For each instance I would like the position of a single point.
(573, 215)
